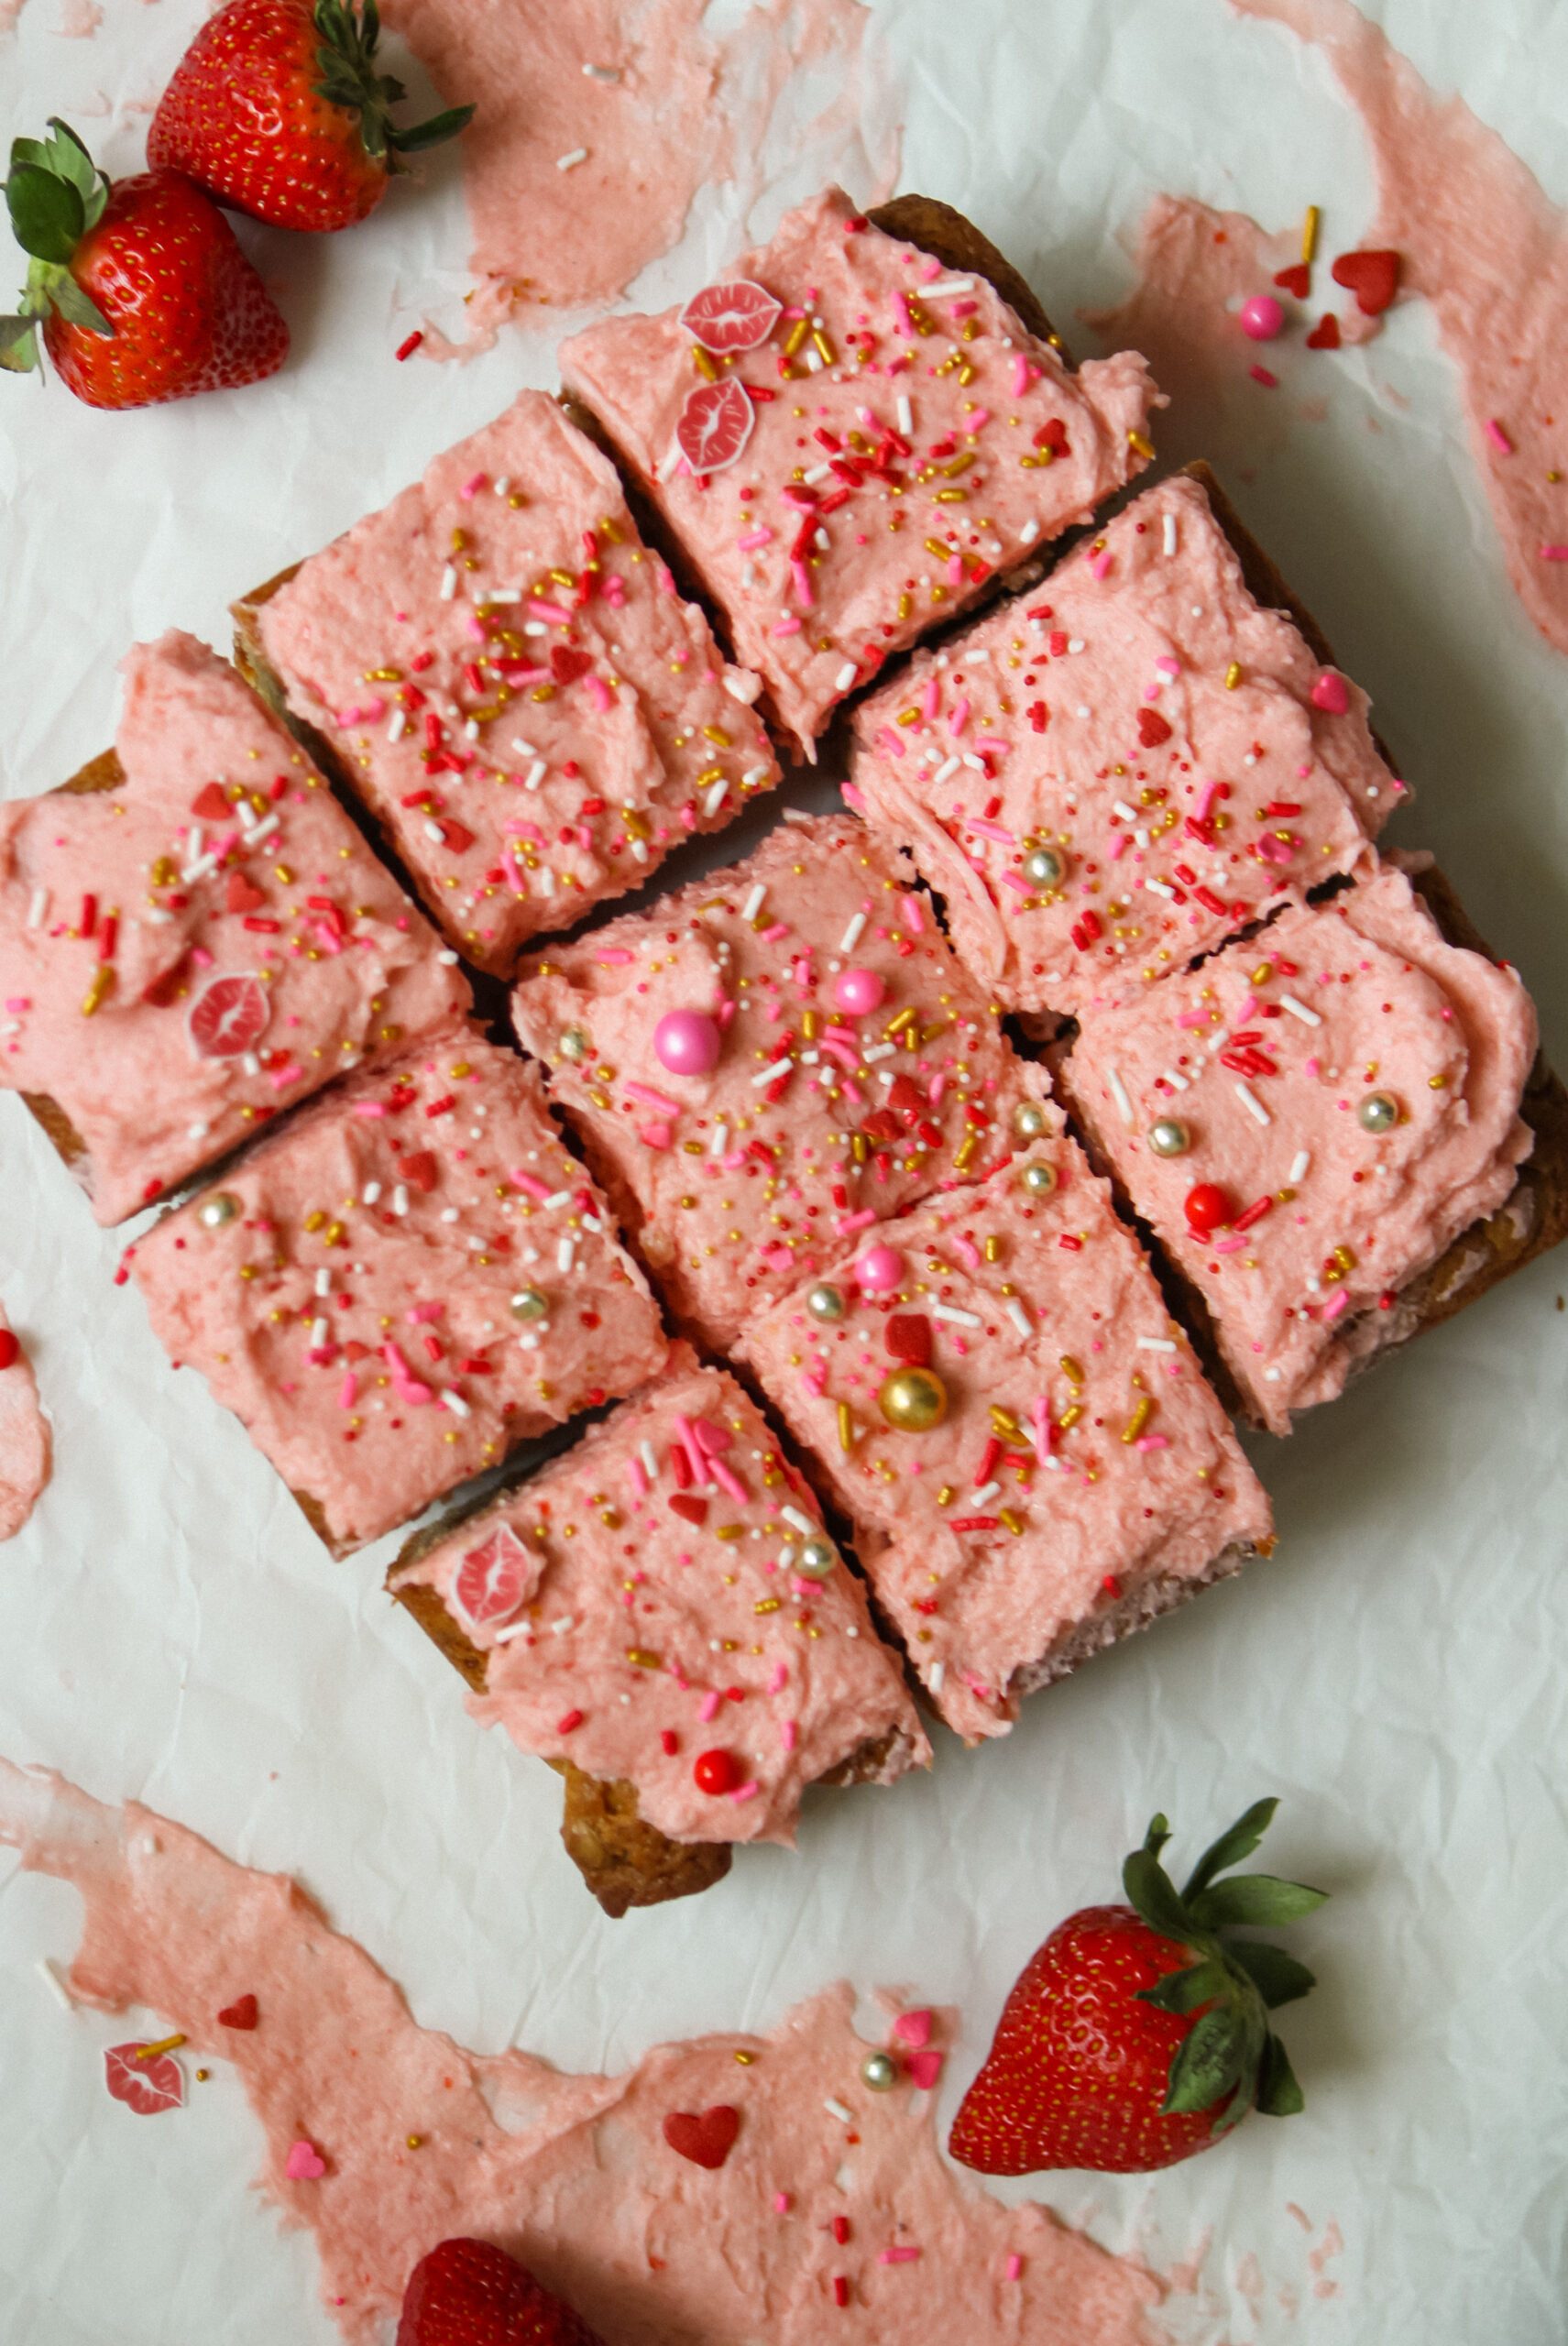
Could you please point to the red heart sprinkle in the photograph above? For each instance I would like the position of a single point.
(1153, 728)
(210, 805)
(908, 1335)
(705, 2138)
(906, 1098)
(882, 1125)
(1295, 279)
(244, 2012)
(421, 1169)
(681, 1503)
(1372, 276)
(1325, 334)
(566, 665)
(242, 896)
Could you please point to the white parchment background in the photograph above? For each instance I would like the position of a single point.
(169, 1630)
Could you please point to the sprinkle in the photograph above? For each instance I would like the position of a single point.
(951, 1311)
(1170, 538)
(37, 907)
(796, 1520)
(1156, 1344)
(569, 162)
(1119, 1093)
(602, 72)
(1298, 1165)
(948, 289)
(1253, 1104)
(1014, 2268)
(1497, 436)
(1555, 554)
(846, 1424)
(406, 348)
(1309, 234)
(1300, 1010)
(753, 904)
(51, 1980)
(838, 2109)
(448, 582)
(152, 2052)
(897, 2255)
(453, 1401)
(1020, 1318)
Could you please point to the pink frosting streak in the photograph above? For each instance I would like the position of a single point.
(24, 1440)
(571, 2174)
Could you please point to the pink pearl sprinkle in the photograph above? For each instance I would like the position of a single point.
(858, 993)
(1261, 318)
(878, 1270)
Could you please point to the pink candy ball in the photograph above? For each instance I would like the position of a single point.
(878, 1270)
(687, 1042)
(858, 992)
(1262, 317)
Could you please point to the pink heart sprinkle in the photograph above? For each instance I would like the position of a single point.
(925, 2069)
(304, 2164)
(913, 2028)
(1331, 693)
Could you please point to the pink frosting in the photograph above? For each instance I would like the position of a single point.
(355, 1308)
(598, 124)
(1266, 1055)
(989, 1538)
(1480, 237)
(571, 2174)
(665, 1617)
(530, 710)
(830, 438)
(1093, 717)
(24, 1459)
(346, 964)
(738, 1184)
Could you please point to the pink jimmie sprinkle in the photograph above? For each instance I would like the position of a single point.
(897, 2255)
(782, 2203)
(729, 1481)
(1099, 564)
(1335, 1305)
(803, 595)
(745, 1791)
(557, 612)
(1555, 554)
(599, 692)
(913, 914)
(1261, 375)
(368, 1108)
(1014, 2268)
(709, 1707)
(1497, 436)
(780, 1678)
(637, 1474)
(788, 1733)
(347, 1391)
(531, 1185)
(473, 485)
(786, 627)
(651, 1098)
(762, 536)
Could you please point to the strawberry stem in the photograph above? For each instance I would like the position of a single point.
(1230, 2050)
(347, 61)
(55, 194)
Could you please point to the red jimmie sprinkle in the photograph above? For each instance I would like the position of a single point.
(571, 1719)
(406, 348)
(840, 2290)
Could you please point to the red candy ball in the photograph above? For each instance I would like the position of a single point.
(1207, 1207)
(715, 1772)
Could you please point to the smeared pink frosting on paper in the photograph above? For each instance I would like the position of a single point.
(651, 104)
(1195, 267)
(1481, 239)
(1266, 1054)
(573, 2174)
(25, 1459)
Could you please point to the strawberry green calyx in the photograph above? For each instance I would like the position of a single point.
(1232, 1984)
(55, 193)
(347, 62)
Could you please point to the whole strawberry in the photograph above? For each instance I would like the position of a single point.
(1139, 2034)
(467, 2293)
(138, 288)
(277, 109)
